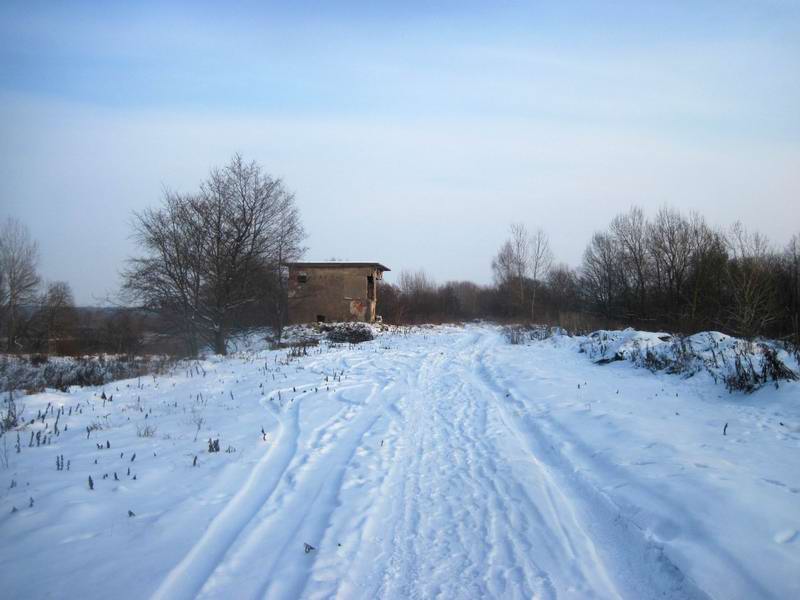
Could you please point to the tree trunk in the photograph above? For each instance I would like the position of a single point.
(219, 342)
(12, 328)
(192, 346)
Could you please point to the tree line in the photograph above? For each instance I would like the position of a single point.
(671, 271)
(212, 262)
(32, 312)
(40, 317)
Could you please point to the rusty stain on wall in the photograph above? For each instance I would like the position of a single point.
(358, 309)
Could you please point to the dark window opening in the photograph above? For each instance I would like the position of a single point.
(320, 318)
(302, 278)
(370, 287)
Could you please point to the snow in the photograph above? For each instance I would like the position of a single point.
(60, 371)
(430, 462)
(739, 364)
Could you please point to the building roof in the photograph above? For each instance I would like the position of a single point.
(333, 264)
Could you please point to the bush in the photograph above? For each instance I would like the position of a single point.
(739, 364)
(519, 334)
(751, 372)
(146, 431)
(10, 417)
(29, 373)
(38, 360)
(349, 333)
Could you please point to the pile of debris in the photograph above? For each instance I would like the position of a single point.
(347, 333)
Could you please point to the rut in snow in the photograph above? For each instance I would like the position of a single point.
(436, 462)
(472, 502)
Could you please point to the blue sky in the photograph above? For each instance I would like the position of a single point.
(426, 127)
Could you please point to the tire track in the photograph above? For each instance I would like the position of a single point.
(474, 500)
(482, 551)
(613, 552)
(187, 578)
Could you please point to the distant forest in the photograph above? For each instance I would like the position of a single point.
(672, 272)
(211, 263)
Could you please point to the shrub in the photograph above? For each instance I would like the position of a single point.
(519, 334)
(739, 364)
(146, 431)
(349, 333)
(36, 373)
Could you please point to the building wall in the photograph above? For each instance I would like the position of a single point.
(334, 293)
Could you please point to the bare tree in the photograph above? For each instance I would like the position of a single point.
(289, 236)
(392, 308)
(54, 318)
(207, 252)
(679, 272)
(503, 265)
(791, 259)
(418, 294)
(512, 262)
(540, 261)
(19, 280)
(243, 212)
(671, 249)
(630, 231)
(167, 279)
(413, 283)
(709, 258)
(122, 332)
(600, 272)
(752, 305)
(563, 284)
(466, 295)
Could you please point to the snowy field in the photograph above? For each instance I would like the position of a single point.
(428, 463)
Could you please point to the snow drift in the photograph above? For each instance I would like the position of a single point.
(739, 364)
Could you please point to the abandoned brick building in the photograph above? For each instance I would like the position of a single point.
(333, 291)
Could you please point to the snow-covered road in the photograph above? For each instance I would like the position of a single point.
(438, 463)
